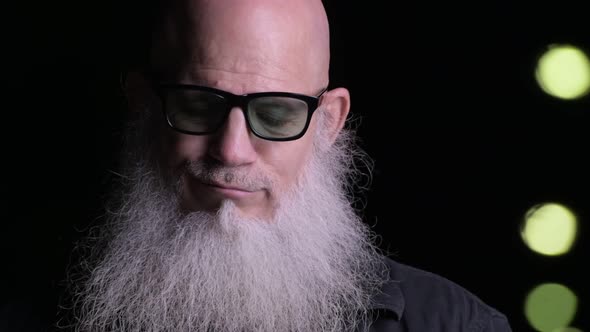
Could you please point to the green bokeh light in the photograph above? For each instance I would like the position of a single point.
(550, 307)
(549, 229)
(564, 72)
(567, 329)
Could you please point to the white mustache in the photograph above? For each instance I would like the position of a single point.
(228, 176)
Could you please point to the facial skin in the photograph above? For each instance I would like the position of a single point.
(243, 47)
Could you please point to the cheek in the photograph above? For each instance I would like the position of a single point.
(288, 160)
(178, 148)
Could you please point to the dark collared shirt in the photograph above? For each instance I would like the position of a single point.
(416, 300)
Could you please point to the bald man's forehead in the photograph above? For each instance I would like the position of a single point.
(303, 7)
(283, 39)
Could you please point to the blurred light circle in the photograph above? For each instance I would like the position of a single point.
(550, 307)
(567, 329)
(564, 72)
(549, 229)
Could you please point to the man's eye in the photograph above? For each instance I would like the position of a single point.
(188, 102)
(198, 105)
(274, 117)
(275, 122)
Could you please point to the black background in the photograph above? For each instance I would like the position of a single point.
(464, 141)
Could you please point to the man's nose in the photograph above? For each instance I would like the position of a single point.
(232, 143)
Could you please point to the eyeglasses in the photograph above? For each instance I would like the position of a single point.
(274, 116)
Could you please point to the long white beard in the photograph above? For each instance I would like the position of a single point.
(312, 268)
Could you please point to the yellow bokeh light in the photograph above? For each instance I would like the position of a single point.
(564, 72)
(549, 229)
(550, 307)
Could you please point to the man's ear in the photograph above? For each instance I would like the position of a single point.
(138, 91)
(337, 106)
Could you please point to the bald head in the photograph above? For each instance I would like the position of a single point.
(245, 45)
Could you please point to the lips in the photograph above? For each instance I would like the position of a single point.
(215, 190)
(226, 187)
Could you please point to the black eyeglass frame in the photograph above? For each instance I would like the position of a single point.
(242, 102)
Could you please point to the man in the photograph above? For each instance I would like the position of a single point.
(235, 212)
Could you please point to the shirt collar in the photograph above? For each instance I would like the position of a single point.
(390, 298)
